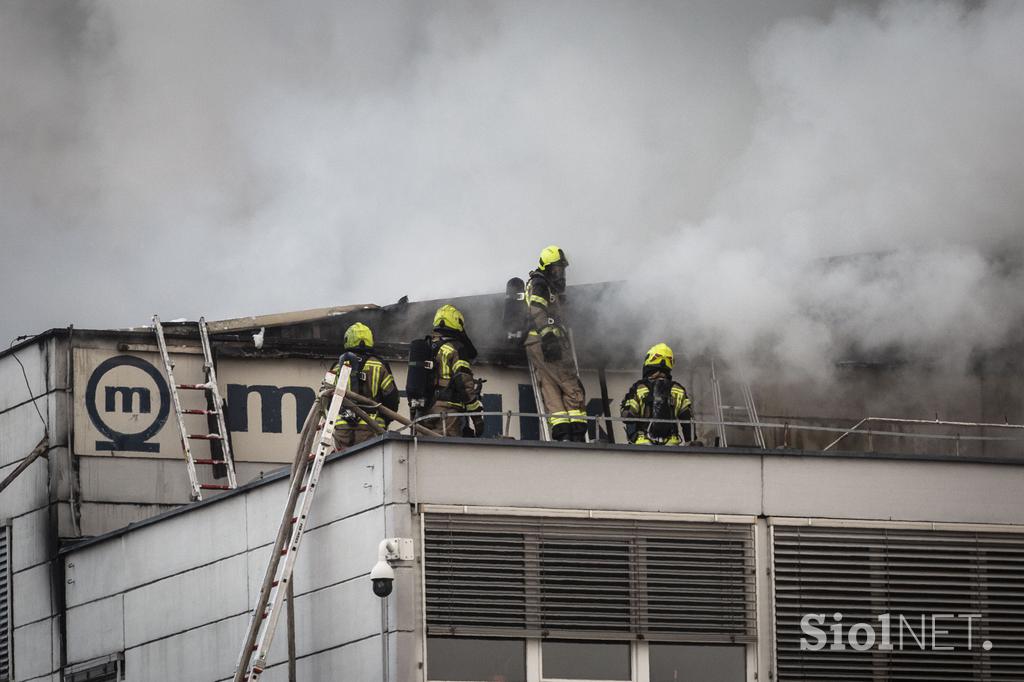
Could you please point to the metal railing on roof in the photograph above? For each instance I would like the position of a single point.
(755, 426)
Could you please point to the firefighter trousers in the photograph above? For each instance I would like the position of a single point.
(562, 393)
(347, 436)
(444, 424)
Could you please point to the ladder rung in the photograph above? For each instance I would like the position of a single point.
(205, 436)
(214, 486)
(213, 462)
(206, 412)
(194, 387)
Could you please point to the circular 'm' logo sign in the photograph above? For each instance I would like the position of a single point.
(128, 398)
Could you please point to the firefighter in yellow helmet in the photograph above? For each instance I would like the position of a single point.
(370, 377)
(657, 397)
(454, 388)
(547, 346)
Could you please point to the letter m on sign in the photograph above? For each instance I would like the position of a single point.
(271, 399)
(127, 394)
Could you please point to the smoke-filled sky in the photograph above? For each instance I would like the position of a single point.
(237, 158)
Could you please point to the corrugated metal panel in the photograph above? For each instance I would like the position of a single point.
(864, 573)
(589, 578)
(6, 607)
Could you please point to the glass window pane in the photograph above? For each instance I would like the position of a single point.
(586, 660)
(477, 660)
(698, 663)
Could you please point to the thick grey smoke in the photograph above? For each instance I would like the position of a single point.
(247, 157)
(244, 158)
(891, 137)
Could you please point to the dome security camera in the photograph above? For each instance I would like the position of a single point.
(383, 577)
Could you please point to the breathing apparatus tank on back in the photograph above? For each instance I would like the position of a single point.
(419, 381)
(516, 317)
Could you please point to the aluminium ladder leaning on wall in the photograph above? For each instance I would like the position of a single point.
(215, 408)
(252, 659)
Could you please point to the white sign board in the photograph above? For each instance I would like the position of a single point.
(123, 404)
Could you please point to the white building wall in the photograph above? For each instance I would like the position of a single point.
(28, 503)
(175, 595)
(689, 480)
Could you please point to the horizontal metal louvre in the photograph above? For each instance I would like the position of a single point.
(863, 573)
(106, 672)
(6, 672)
(589, 578)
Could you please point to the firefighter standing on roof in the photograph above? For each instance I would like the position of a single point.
(371, 377)
(454, 387)
(549, 350)
(657, 396)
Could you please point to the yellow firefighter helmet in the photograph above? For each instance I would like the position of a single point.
(553, 255)
(358, 336)
(660, 355)
(449, 317)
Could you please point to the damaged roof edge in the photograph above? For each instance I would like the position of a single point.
(283, 319)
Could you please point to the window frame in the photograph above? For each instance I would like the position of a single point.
(639, 656)
(639, 649)
(80, 672)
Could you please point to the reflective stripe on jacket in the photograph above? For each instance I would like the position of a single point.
(376, 382)
(456, 384)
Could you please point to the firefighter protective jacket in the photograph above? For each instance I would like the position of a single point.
(453, 376)
(545, 307)
(639, 404)
(372, 378)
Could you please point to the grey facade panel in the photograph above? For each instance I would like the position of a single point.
(99, 628)
(36, 649)
(26, 493)
(13, 388)
(102, 517)
(20, 431)
(887, 489)
(133, 480)
(32, 595)
(627, 479)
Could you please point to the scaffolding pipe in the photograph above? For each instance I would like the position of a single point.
(40, 450)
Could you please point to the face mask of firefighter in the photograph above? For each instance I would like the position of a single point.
(357, 380)
(661, 408)
(556, 277)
